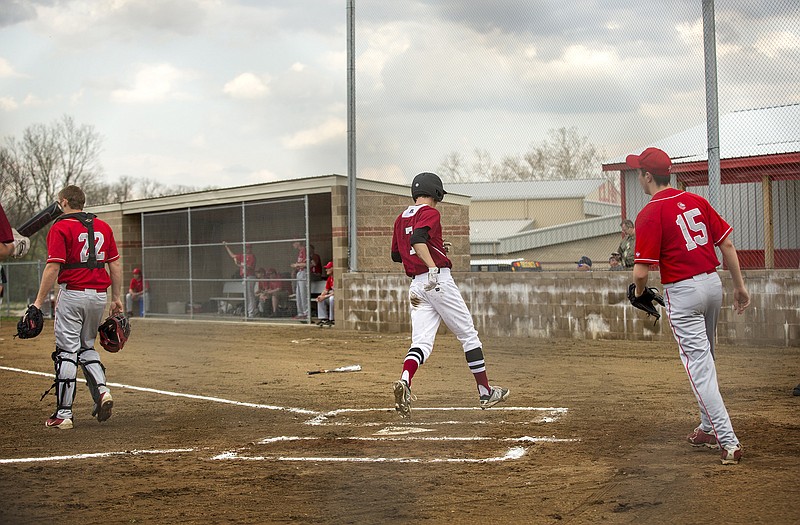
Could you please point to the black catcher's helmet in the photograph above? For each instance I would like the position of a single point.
(428, 184)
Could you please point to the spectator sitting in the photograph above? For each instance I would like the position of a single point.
(314, 264)
(584, 264)
(615, 263)
(325, 299)
(139, 293)
(269, 290)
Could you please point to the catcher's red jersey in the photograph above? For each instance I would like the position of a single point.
(68, 243)
(415, 217)
(678, 231)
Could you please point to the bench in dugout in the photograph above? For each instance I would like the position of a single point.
(232, 299)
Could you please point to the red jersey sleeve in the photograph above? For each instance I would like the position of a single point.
(6, 235)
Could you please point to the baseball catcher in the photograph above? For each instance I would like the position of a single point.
(30, 325)
(645, 301)
(114, 332)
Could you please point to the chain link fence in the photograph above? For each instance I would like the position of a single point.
(624, 78)
(20, 283)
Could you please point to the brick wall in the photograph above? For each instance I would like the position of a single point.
(574, 305)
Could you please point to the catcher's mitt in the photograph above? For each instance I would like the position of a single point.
(114, 332)
(645, 301)
(30, 325)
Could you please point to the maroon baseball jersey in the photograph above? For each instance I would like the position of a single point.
(678, 231)
(68, 243)
(415, 217)
(6, 235)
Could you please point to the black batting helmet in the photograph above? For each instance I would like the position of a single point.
(429, 185)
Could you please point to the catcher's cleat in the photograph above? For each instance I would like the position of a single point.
(402, 398)
(731, 454)
(57, 422)
(700, 437)
(103, 411)
(497, 395)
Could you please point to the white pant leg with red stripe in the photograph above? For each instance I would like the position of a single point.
(693, 307)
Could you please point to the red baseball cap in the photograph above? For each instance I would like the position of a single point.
(329, 265)
(137, 270)
(653, 160)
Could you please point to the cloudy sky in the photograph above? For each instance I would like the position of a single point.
(231, 92)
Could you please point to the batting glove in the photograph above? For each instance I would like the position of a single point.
(433, 279)
(21, 244)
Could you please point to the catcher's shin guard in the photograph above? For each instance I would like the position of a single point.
(66, 370)
(94, 372)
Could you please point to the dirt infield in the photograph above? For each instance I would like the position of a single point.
(220, 423)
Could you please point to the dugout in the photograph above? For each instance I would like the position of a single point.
(177, 240)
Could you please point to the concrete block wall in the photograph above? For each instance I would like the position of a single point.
(575, 305)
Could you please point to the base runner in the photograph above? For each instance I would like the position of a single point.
(434, 297)
(678, 231)
(78, 248)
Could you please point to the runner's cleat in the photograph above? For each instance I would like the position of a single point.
(402, 398)
(497, 395)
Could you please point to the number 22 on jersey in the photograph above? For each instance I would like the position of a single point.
(98, 245)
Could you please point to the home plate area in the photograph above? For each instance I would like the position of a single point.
(432, 435)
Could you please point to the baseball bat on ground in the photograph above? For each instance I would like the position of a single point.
(351, 368)
(40, 220)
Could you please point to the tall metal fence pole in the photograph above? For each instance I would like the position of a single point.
(712, 106)
(352, 237)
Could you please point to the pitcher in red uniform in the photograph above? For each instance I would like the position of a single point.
(79, 246)
(678, 231)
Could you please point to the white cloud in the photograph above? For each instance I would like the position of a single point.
(260, 176)
(248, 86)
(330, 129)
(153, 83)
(8, 104)
(390, 173)
(32, 100)
(7, 70)
(383, 44)
(775, 43)
(298, 67)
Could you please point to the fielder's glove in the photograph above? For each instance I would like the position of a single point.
(30, 325)
(645, 301)
(21, 244)
(433, 279)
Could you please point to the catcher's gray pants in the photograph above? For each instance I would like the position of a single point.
(443, 303)
(693, 307)
(78, 315)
